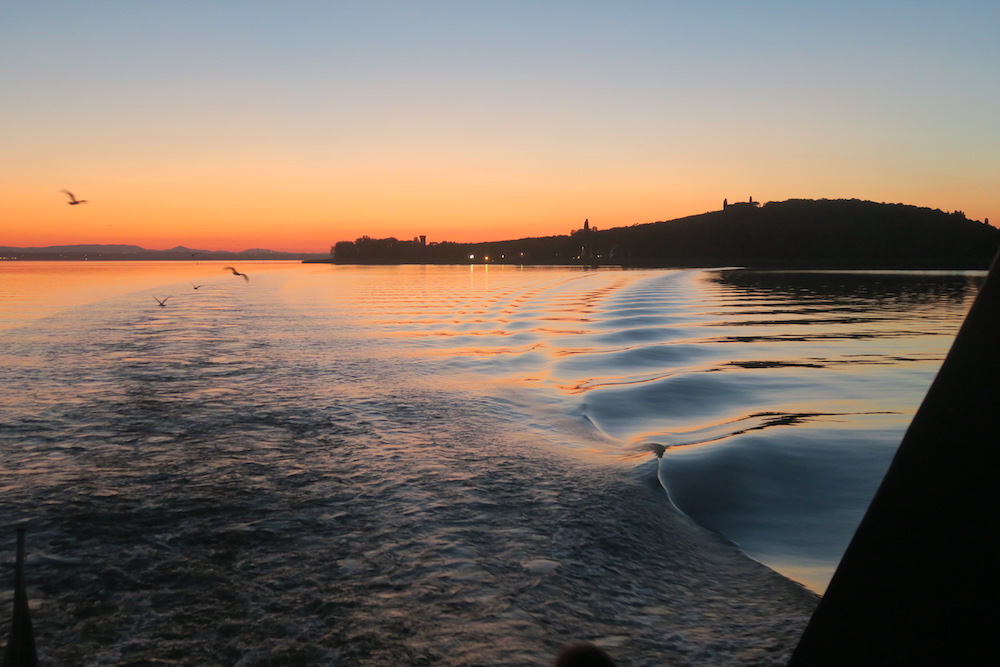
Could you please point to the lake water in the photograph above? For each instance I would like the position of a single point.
(447, 465)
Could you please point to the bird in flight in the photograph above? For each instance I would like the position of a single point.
(73, 201)
(196, 286)
(237, 273)
(162, 302)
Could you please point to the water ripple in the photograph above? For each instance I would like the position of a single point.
(434, 465)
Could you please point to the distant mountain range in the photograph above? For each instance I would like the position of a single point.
(133, 252)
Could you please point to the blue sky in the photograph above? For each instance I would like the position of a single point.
(477, 120)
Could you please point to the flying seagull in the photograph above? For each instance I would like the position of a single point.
(73, 201)
(237, 273)
(196, 286)
(162, 302)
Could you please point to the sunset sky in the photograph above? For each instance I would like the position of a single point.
(292, 125)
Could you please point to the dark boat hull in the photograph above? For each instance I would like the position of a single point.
(918, 584)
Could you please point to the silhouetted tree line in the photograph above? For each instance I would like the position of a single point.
(841, 233)
(367, 250)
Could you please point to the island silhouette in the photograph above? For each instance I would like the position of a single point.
(797, 233)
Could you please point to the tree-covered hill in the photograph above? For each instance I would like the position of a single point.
(799, 233)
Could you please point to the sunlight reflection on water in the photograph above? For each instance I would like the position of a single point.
(659, 354)
(383, 457)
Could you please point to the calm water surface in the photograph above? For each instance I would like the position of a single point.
(447, 465)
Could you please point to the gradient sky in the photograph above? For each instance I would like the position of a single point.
(292, 125)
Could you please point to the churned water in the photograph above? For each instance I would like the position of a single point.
(446, 465)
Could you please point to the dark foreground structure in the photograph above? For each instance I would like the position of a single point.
(920, 582)
(20, 650)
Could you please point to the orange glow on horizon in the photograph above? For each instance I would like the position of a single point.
(287, 216)
(477, 122)
(277, 216)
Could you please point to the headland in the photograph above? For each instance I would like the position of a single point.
(798, 233)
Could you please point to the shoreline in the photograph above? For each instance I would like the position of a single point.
(776, 265)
